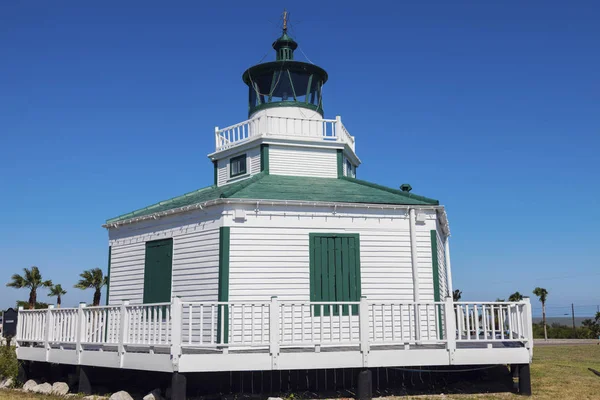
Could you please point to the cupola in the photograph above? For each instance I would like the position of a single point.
(285, 82)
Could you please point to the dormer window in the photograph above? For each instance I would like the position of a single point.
(237, 166)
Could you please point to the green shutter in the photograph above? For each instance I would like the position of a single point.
(436, 276)
(340, 163)
(158, 270)
(334, 270)
(108, 275)
(264, 158)
(224, 244)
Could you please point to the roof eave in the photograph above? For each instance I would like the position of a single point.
(210, 203)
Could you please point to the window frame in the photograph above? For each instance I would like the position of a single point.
(350, 169)
(232, 160)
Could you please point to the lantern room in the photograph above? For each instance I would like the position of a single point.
(285, 82)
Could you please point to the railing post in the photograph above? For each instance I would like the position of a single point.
(364, 330)
(450, 324)
(528, 328)
(217, 138)
(47, 331)
(338, 128)
(79, 331)
(20, 323)
(274, 331)
(176, 324)
(123, 330)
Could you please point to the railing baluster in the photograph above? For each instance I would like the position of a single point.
(476, 311)
(401, 322)
(493, 323)
(393, 322)
(382, 322)
(321, 317)
(190, 319)
(468, 322)
(510, 322)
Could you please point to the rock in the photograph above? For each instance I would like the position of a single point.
(43, 388)
(60, 388)
(121, 395)
(274, 398)
(6, 383)
(29, 385)
(154, 395)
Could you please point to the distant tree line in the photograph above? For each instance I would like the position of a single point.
(32, 280)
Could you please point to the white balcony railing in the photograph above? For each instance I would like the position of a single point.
(280, 323)
(330, 130)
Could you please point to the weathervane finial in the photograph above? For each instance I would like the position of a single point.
(285, 20)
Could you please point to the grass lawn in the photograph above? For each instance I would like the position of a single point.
(558, 372)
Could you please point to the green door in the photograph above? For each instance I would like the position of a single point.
(334, 270)
(158, 271)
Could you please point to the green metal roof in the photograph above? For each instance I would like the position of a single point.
(276, 187)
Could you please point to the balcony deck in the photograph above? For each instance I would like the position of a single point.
(326, 130)
(228, 336)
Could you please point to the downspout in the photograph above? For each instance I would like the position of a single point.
(448, 266)
(415, 271)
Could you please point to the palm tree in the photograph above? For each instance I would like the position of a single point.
(93, 279)
(516, 296)
(32, 280)
(456, 295)
(542, 294)
(57, 291)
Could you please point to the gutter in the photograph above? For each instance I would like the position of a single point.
(336, 205)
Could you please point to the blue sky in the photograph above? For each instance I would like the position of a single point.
(491, 107)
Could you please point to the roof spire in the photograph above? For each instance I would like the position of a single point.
(285, 20)
(285, 45)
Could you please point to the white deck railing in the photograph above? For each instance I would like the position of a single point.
(330, 130)
(274, 325)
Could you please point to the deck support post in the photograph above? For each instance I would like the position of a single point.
(364, 387)
(524, 380)
(23, 371)
(178, 386)
(84, 385)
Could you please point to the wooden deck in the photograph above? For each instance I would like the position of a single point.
(203, 337)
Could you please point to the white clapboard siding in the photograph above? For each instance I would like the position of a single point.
(196, 266)
(195, 257)
(252, 166)
(127, 273)
(302, 161)
(275, 262)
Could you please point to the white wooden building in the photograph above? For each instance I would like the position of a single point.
(287, 261)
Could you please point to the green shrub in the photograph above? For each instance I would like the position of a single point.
(9, 365)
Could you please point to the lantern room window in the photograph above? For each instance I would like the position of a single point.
(237, 166)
